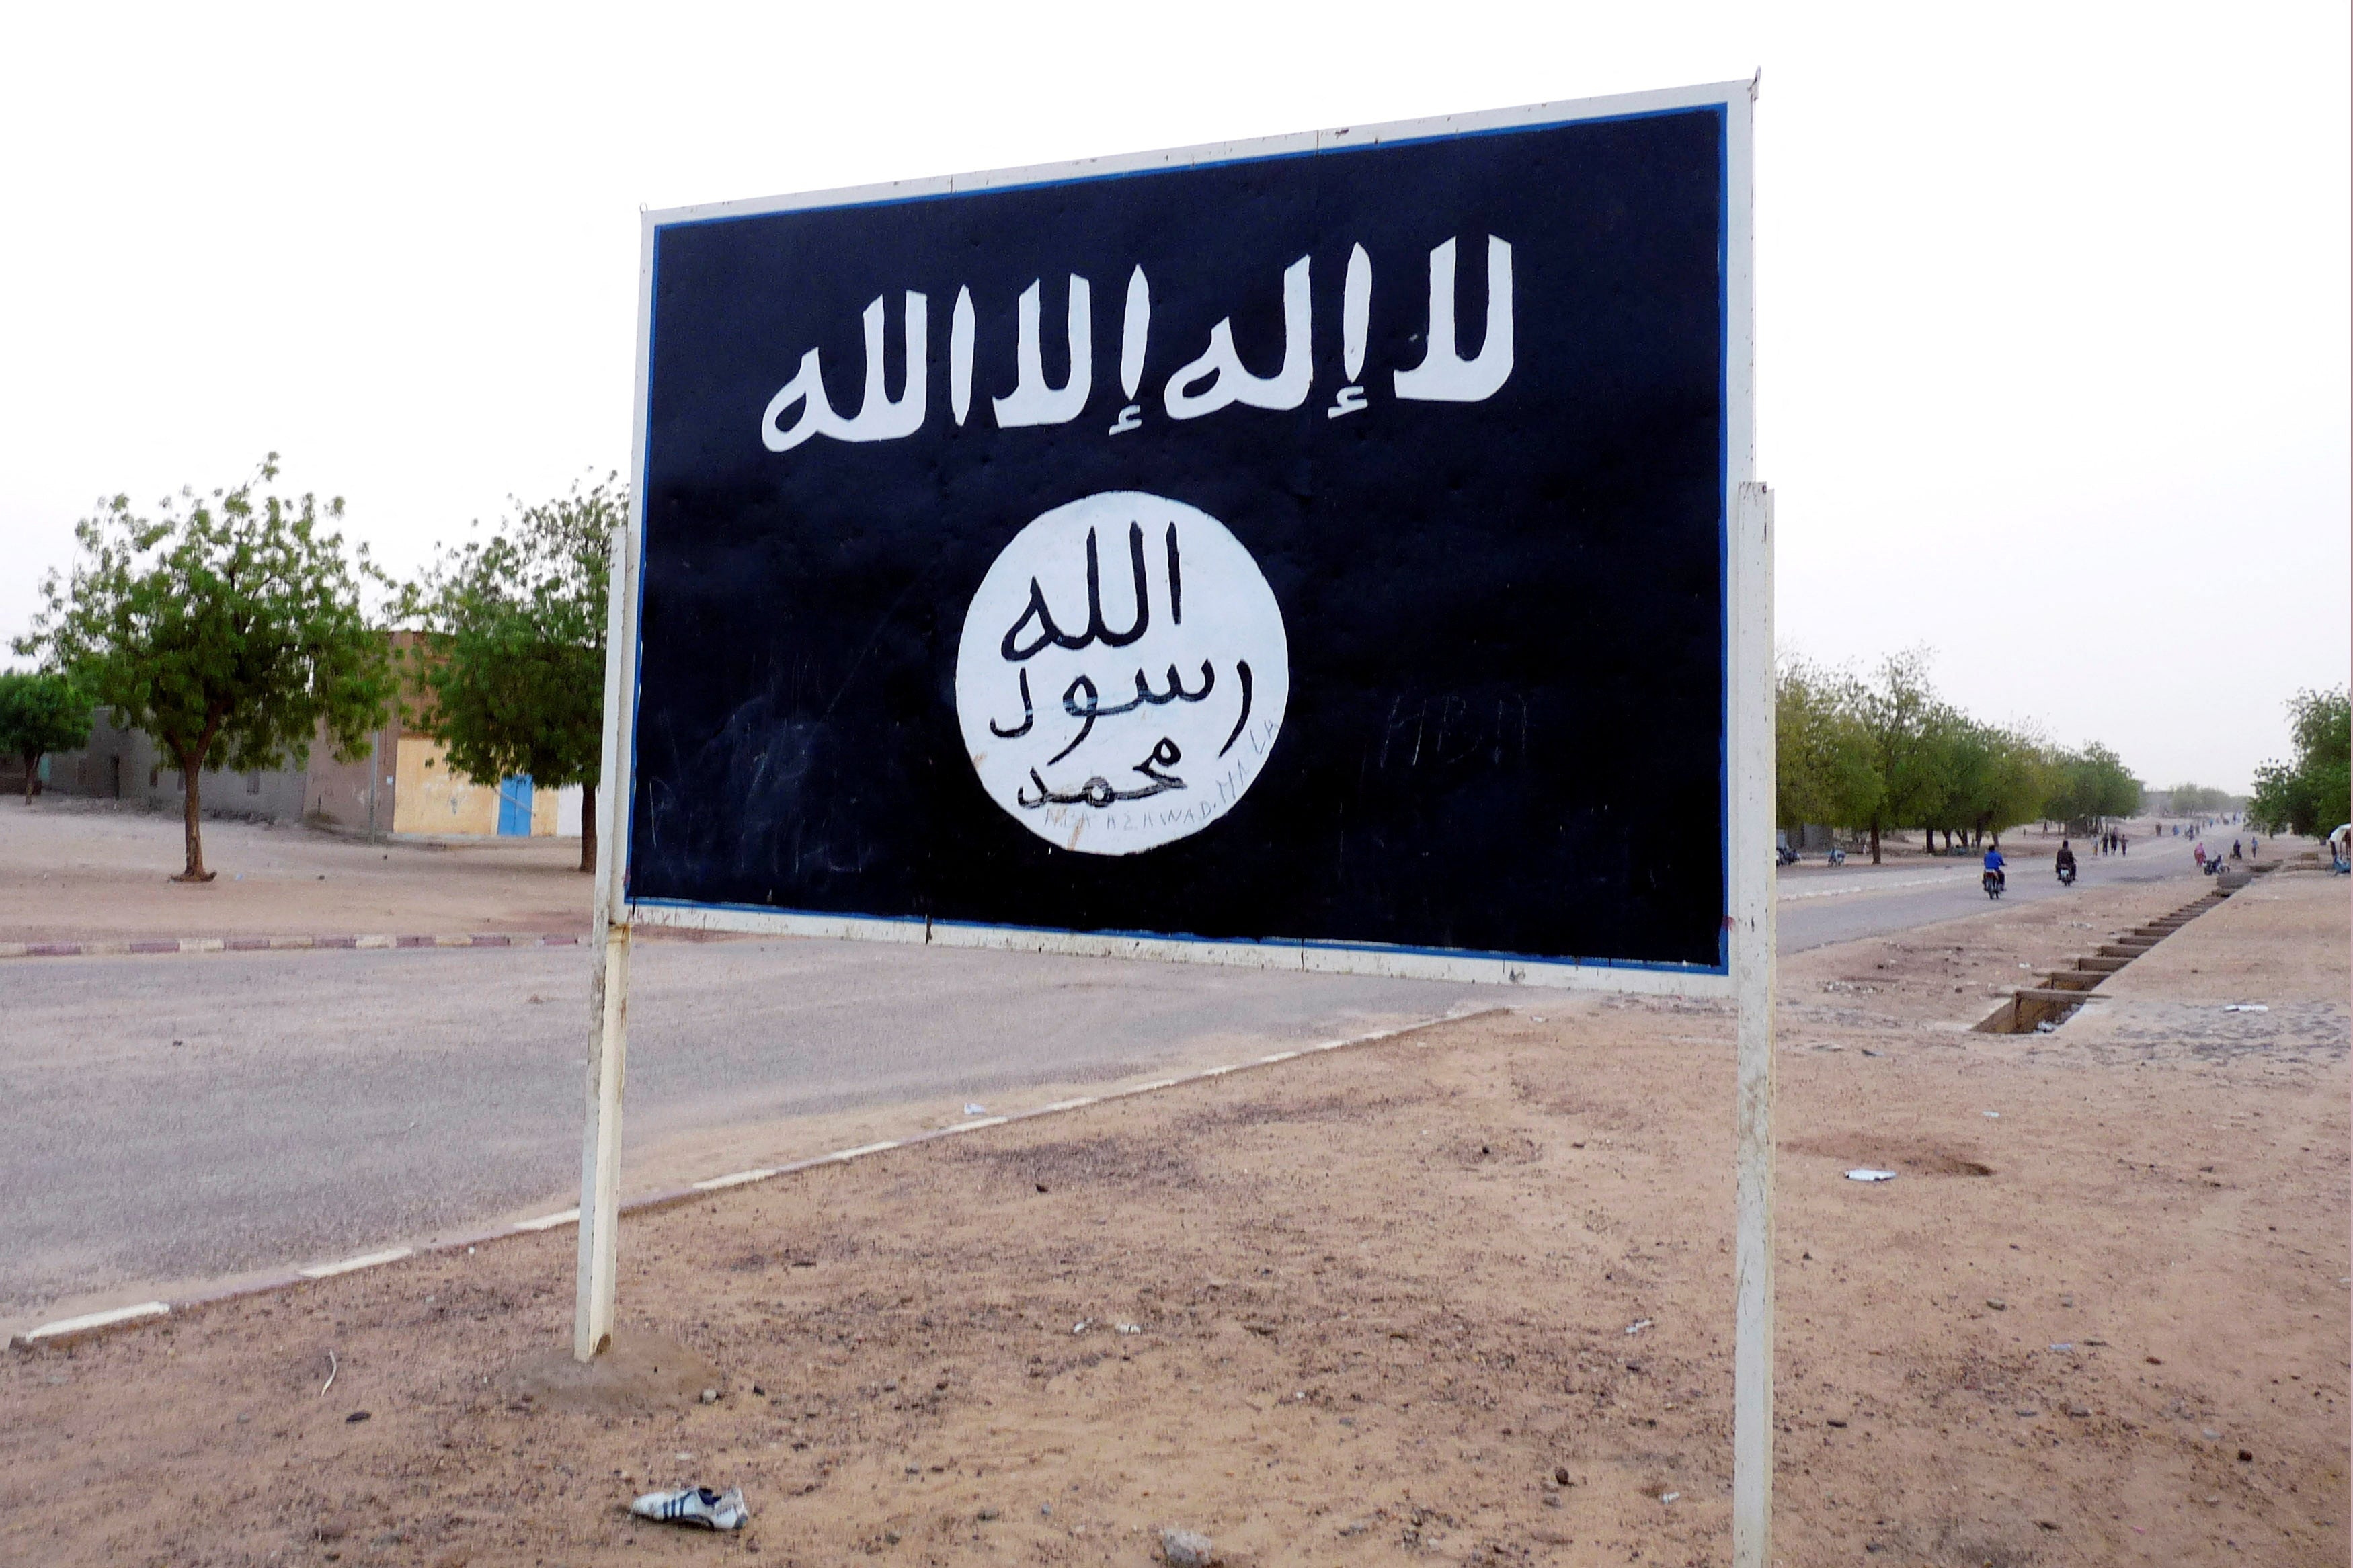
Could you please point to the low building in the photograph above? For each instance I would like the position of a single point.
(403, 784)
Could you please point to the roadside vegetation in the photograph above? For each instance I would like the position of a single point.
(2313, 794)
(508, 664)
(41, 713)
(2197, 800)
(1872, 753)
(226, 627)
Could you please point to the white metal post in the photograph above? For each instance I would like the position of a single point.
(1753, 961)
(596, 1284)
(600, 1154)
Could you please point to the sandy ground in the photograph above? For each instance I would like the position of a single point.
(75, 871)
(1459, 1298)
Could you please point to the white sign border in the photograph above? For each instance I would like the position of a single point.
(1746, 598)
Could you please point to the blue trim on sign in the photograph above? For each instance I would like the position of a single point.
(1718, 106)
(1724, 515)
(1321, 945)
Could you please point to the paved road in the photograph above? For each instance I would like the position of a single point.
(169, 1118)
(174, 1118)
(1819, 907)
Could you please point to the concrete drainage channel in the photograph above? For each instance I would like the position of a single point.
(2033, 1009)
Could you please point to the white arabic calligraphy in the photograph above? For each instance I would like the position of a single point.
(878, 417)
(1222, 367)
(1444, 376)
(1032, 402)
(960, 335)
(1217, 379)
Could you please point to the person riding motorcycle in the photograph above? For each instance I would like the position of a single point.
(2065, 862)
(1993, 866)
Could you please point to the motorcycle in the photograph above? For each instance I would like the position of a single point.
(1837, 855)
(2067, 875)
(1993, 883)
(1784, 855)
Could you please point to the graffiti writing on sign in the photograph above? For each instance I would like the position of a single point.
(1216, 379)
(1122, 673)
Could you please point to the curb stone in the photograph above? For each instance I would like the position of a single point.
(138, 946)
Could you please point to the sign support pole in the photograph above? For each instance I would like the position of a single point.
(596, 1284)
(600, 1154)
(1753, 964)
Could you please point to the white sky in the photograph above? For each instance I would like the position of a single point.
(2053, 300)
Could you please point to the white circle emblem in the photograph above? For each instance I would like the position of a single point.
(1122, 674)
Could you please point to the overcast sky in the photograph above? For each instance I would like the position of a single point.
(2052, 300)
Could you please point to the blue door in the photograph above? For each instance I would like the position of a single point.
(514, 806)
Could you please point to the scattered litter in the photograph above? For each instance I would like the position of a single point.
(1187, 1548)
(1669, 1497)
(974, 1108)
(1637, 1325)
(1993, 1115)
(1129, 1328)
(332, 1370)
(1869, 1176)
(1869, 1052)
(1082, 1326)
(1535, 1017)
(2210, 1434)
(1997, 1303)
(355, 1418)
(2245, 1007)
(2064, 1345)
(711, 1397)
(697, 1506)
(2046, 1027)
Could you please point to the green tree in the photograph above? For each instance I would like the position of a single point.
(2192, 800)
(41, 713)
(511, 650)
(2094, 783)
(2314, 794)
(1994, 778)
(227, 627)
(1823, 750)
(1909, 727)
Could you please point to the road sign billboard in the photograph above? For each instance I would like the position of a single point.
(1313, 550)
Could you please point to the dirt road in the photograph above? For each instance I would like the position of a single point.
(1464, 1297)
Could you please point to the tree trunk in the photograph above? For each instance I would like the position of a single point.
(588, 825)
(191, 824)
(32, 760)
(1874, 841)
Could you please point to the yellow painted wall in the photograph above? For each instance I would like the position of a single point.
(430, 798)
